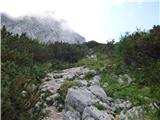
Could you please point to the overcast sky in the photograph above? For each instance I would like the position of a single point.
(98, 20)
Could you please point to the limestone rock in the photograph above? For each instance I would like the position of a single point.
(44, 28)
(95, 80)
(93, 112)
(135, 113)
(71, 115)
(79, 98)
(98, 92)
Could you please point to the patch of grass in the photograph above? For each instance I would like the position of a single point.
(89, 75)
(132, 92)
(99, 106)
(94, 64)
(118, 110)
(65, 86)
(135, 92)
(153, 114)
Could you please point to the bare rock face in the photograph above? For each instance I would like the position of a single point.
(83, 100)
(133, 113)
(72, 115)
(80, 102)
(42, 28)
(54, 80)
(95, 114)
(79, 98)
(98, 92)
(95, 80)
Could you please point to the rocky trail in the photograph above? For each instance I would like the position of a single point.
(86, 102)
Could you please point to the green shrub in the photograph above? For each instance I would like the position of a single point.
(15, 80)
(24, 63)
(140, 51)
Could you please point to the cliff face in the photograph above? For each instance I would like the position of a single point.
(43, 28)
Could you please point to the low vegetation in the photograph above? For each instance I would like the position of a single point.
(99, 106)
(89, 75)
(137, 55)
(25, 63)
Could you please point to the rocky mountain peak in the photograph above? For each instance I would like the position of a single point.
(44, 28)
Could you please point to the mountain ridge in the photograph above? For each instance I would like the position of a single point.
(44, 28)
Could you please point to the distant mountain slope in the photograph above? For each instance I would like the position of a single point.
(42, 28)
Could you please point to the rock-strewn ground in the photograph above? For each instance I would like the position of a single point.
(88, 102)
(52, 83)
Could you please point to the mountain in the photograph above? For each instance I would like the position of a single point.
(42, 28)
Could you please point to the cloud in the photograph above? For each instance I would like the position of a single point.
(119, 2)
(83, 16)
